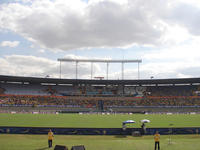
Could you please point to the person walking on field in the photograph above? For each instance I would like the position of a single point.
(143, 129)
(50, 138)
(157, 140)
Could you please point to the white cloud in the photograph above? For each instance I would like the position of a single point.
(9, 43)
(21, 65)
(32, 46)
(186, 51)
(65, 25)
(170, 70)
(182, 60)
(41, 50)
(190, 2)
(171, 27)
(27, 66)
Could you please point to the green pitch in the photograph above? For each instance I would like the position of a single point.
(39, 142)
(97, 121)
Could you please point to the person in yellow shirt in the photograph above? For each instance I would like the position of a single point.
(157, 140)
(50, 138)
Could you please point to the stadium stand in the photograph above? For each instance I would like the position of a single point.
(42, 94)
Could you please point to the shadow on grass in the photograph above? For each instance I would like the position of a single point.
(42, 148)
(120, 136)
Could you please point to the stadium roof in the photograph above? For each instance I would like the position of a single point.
(35, 80)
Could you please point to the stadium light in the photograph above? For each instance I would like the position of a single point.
(107, 61)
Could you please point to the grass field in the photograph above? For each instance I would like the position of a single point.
(97, 121)
(39, 142)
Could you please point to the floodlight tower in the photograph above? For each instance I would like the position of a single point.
(100, 61)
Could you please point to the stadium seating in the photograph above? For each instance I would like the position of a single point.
(91, 97)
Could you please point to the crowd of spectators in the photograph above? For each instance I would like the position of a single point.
(35, 101)
(149, 96)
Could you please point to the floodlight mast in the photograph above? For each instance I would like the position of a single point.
(107, 61)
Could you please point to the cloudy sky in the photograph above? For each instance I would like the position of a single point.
(165, 34)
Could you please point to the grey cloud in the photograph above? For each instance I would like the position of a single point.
(185, 15)
(103, 24)
(54, 25)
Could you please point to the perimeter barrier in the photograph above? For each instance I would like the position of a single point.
(96, 131)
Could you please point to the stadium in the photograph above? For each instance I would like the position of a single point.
(99, 75)
(78, 109)
(72, 95)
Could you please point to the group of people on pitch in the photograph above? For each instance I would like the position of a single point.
(156, 138)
